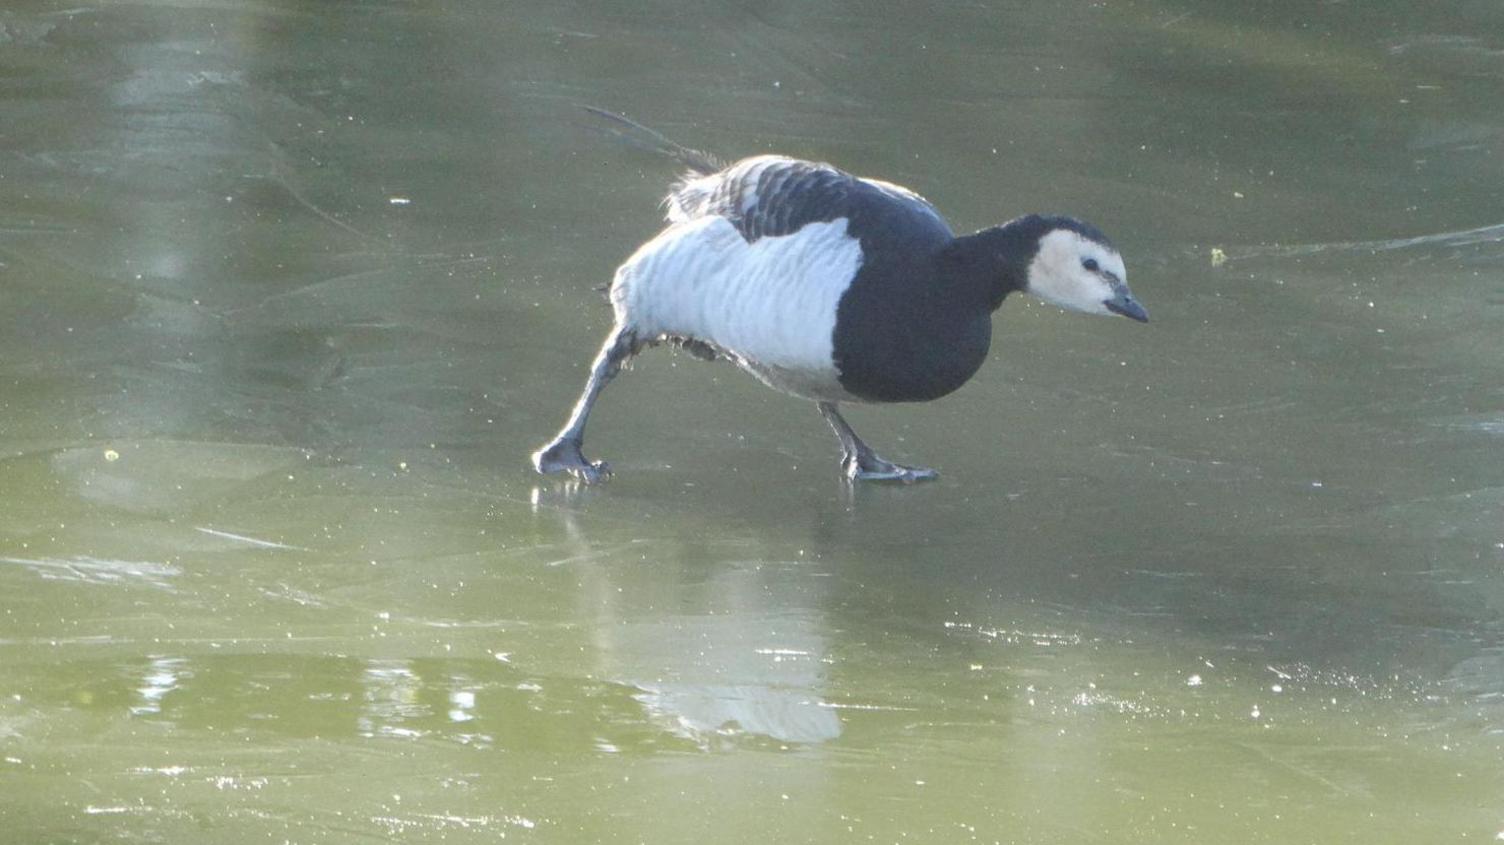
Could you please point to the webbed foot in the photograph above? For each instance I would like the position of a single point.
(860, 463)
(870, 467)
(564, 455)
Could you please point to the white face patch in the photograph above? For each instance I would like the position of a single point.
(1059, 273)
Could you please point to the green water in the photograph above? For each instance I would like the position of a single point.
(288, 291)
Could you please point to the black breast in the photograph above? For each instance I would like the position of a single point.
(897, 342)
(905, 332)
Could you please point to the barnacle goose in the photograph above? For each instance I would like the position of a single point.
(830, 287)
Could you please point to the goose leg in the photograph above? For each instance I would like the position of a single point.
(858, 460)
(563, 453)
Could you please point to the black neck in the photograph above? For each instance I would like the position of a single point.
(987, 266)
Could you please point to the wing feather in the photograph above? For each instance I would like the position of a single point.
(769, 196)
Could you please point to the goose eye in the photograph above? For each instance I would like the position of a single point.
(1090, 264)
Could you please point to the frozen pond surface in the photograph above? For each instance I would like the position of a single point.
(289, 290)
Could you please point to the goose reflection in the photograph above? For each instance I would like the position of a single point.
(732, 646)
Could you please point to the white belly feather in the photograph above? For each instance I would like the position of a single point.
(771, 303)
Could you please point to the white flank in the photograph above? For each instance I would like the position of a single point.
(771, 303)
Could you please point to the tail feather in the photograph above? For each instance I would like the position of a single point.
(642, 137)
